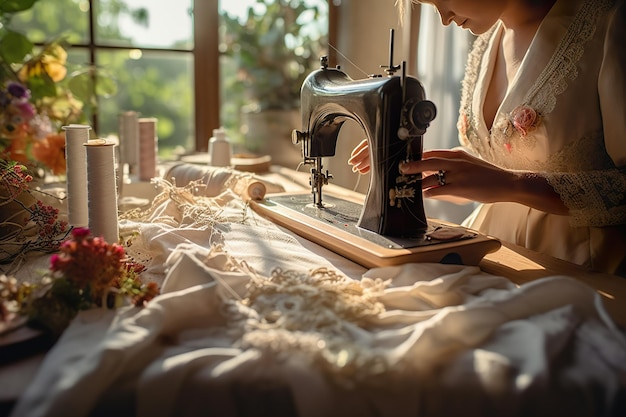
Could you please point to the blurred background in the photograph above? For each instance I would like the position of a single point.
(196, 65)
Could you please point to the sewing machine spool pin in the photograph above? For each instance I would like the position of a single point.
(391, 68)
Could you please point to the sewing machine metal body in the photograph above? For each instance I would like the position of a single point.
(388, 226)
(394, 114)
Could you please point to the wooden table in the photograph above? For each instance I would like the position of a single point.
(522, 265)
(514, 262)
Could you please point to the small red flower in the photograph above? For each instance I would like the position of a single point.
(80, 233)
(88, 260)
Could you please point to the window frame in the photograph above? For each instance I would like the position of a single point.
(206, 64)
(206, 70)
(206, 58)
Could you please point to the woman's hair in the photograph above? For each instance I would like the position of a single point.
(402, 6)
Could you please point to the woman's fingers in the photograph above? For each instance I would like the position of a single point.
(360, 147)
(433, 160)
(425, 165)
(430, 181)
(450, 175)
(454, 154)
(360, 158)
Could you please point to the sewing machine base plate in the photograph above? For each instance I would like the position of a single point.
(334, 227)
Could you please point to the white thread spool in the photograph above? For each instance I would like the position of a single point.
(101, 189)
(76, 136)
(148, 146)
(129, 141)
(220, 149)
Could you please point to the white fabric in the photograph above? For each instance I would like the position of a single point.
(251, 322)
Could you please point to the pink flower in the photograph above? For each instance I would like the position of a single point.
(524, 119)
(80, 233)
(25, 110)
(55, 260)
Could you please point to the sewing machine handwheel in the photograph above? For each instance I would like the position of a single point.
(416, 117)
(423, 113)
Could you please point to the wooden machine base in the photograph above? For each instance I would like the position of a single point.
(338, 233)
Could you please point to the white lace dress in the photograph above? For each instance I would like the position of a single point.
(563, 117)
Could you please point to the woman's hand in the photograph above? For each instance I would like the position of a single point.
(360, 158)
(467, 178)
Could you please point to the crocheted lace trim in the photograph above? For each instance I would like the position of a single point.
(503, 141)
(318, 315)
(594, 198)
(181, 206)
(177, 207)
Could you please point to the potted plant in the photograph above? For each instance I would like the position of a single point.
(272, 50)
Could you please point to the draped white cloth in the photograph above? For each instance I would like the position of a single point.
(255, 321)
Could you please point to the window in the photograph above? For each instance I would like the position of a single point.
(162, 55)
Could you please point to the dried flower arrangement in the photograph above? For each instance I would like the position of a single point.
(87, 272)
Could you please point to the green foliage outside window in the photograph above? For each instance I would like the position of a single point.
(274, 49)
(265, 59)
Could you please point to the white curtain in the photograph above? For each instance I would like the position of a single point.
(442, 53)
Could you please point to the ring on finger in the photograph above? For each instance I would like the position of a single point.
(441, 177)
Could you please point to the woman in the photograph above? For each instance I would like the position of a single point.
(543, 127)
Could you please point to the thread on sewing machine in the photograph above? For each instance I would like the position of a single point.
(101, 190)
(148, 148)
(76, 168)
(348, 60)
(358, 181)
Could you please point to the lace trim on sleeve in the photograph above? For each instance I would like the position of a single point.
(594, 198)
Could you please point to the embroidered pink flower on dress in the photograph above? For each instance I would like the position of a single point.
(524, 119)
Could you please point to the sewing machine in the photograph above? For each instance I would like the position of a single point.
(389, 226)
